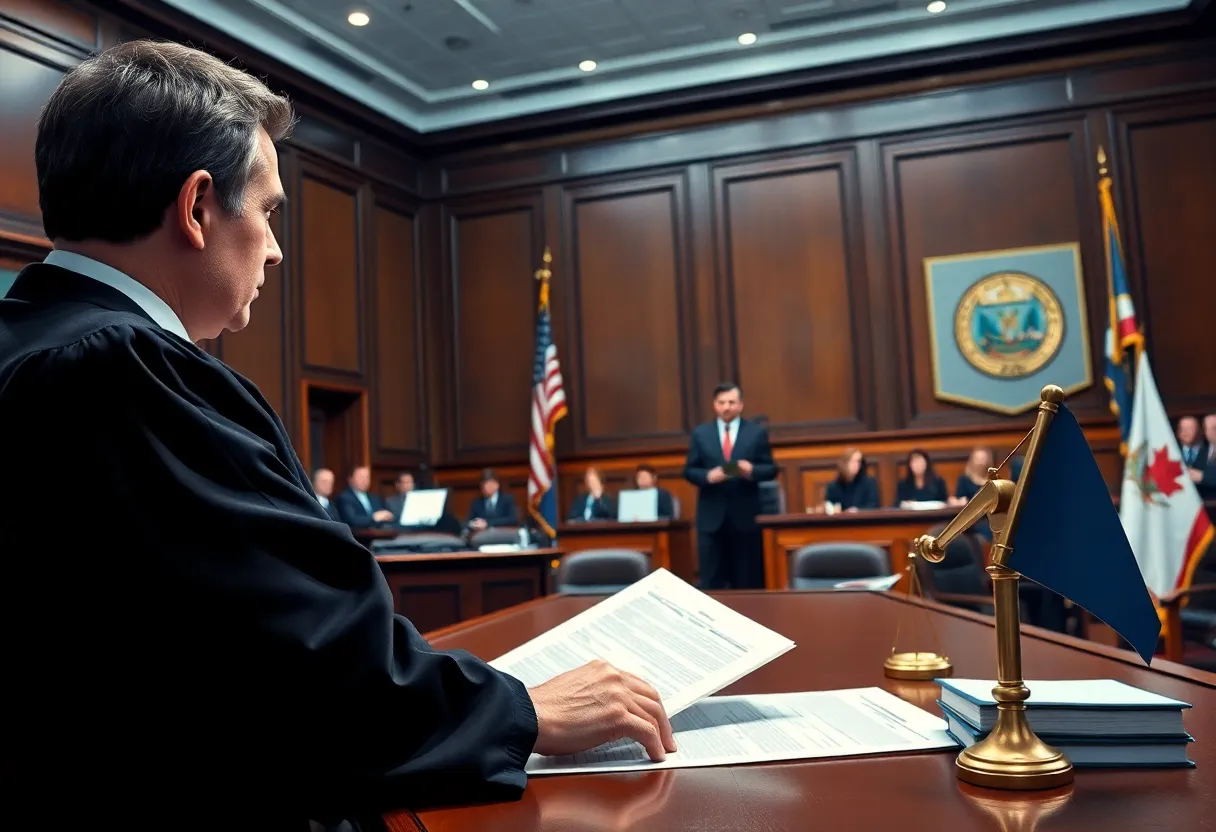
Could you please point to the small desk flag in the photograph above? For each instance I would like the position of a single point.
(1069, 538)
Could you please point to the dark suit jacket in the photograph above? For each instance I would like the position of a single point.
(602, 509)
(667, 509)
(1207, 485)
(272, 602)
(332, 510)
(505, 513)
(1200, 458)
(352, 512)
(736, 502)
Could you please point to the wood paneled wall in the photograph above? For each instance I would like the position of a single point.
(779, 244)
(786, 252)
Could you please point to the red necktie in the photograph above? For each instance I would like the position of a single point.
(726, 447)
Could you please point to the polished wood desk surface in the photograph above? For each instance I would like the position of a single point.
(842, 639)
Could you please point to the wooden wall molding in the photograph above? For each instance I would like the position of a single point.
(874, 113)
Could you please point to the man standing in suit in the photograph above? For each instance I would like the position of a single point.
(727, 460)
(323, 485)
(359, 508)
(494, 507)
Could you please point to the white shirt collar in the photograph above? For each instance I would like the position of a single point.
(732, 426)
(141, 295)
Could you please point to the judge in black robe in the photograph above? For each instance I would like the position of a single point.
(195, 629)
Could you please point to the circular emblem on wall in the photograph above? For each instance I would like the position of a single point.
(1009, 324)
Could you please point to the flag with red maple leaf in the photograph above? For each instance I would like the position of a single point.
(1161, 510)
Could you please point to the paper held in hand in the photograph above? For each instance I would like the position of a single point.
(683, 642)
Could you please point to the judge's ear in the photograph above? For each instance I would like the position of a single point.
(195, 209)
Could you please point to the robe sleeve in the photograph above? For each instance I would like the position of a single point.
(242, 605)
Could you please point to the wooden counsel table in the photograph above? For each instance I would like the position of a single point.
(438, 590)
(842, 639)
(667, 542)
(892, 529)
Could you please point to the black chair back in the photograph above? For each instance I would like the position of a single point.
(823, 565)
(600, 571)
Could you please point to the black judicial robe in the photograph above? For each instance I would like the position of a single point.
(184, 623)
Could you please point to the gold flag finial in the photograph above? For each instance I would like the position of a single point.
(1101, 160)
(543, 274)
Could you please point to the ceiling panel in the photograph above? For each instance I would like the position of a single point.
(416, 59)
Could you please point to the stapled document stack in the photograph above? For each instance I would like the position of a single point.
(1098, 723)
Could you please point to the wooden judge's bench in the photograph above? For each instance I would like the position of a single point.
(842, 639)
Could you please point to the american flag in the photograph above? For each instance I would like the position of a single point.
(1123, 338)
(548, 406)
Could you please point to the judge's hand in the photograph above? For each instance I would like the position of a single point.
(595, 704)
(716, 475)
(1196, 475)
(477, 524)
(382, 516)
(745, 467)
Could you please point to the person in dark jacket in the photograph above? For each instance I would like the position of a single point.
(593, 503)
(921, 484)
(853, 489)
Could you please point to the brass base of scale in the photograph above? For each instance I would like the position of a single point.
(917, 667)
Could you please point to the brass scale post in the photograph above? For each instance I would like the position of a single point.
(1011, 756)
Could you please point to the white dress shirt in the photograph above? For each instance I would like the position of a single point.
(138, 293)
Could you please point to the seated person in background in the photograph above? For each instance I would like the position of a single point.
(358, 508)
(1191, 444)
(494, 507)
(645, 477)
(396, 503)
(922, 484)
(593, 503)
(447, 524)
(969, 484)
(1204, 475)
(853, 489)
(323, 485)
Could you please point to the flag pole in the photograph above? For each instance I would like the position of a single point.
(1011, 756)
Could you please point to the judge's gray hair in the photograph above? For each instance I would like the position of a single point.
(124, 130)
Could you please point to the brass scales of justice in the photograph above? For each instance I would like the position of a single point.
(1011, 756)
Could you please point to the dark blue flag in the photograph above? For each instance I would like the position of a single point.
(1069, 538)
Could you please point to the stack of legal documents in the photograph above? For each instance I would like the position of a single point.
(690, 646)
(1097, 723)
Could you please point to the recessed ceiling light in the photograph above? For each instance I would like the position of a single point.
(936, 7)
(358, 19)
(747, 39)
(587, 66)
(481, 85)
